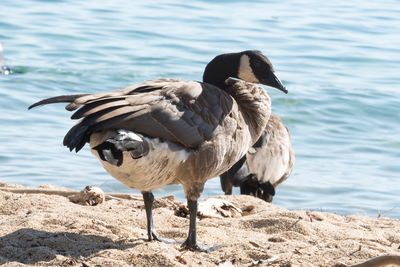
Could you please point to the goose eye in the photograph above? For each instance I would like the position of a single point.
(257, 64)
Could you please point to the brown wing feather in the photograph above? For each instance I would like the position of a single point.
(99, 105)
(182, 112)
(57, 99)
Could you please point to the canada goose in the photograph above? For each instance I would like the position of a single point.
(170, 131)
(267, 164)
(6, 70)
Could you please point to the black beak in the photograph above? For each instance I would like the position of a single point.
(273, 81)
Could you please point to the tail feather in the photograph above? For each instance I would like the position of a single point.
(97, 112)
(57, 99)
(79, 134)
(76, 137)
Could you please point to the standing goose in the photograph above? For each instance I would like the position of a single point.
(170, 131)
(267, 164)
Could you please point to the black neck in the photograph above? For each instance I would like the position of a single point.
(221, 68)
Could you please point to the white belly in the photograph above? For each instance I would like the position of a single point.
(156, 169)
(272, 163)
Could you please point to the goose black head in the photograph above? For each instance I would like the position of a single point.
(250, 66)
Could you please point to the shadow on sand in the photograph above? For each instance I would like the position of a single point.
(30, 246)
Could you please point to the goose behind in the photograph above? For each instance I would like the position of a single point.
(169, 131)
(267, 164)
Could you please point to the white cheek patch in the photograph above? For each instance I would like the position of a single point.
(245, 71)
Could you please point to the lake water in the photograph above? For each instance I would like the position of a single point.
(339, 60)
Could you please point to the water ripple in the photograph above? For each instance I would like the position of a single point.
(338, 59)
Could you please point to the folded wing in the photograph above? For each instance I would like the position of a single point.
(183, 112)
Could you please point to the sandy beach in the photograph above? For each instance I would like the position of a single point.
(39, 228)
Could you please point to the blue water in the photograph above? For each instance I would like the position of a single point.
(340, 62)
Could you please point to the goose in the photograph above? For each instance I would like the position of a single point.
(169, 131)
(268, 163)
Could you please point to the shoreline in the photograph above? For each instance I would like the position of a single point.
(49, 230)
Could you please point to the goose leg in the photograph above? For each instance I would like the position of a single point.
(226, 183)
(191, 242)
(148, 198)
(234, 176)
